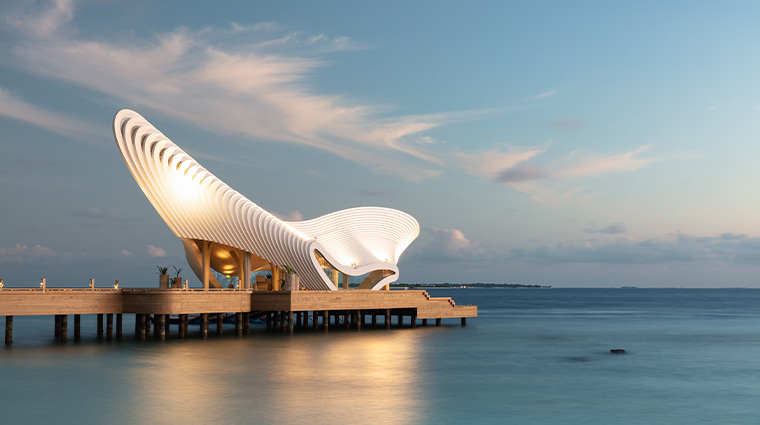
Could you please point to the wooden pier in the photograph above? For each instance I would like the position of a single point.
(282, 310)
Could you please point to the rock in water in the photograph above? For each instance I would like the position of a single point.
(618, 351)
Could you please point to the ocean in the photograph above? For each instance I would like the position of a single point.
(533, 356)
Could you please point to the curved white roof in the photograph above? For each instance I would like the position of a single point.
(197, 205)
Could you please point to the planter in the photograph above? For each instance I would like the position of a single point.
(177, 282)
(163, 281)
(291, 282)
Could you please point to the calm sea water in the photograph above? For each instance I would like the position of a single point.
(531, 357)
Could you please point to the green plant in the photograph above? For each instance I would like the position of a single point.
(162, 270)
(177, 271)
(288, 269)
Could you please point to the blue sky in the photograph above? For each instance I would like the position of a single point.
(560, 143)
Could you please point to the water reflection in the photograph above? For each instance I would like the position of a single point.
(342, 377)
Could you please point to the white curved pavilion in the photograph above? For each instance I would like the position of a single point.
(223, 230)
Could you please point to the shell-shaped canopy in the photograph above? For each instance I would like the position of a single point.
(198, 206)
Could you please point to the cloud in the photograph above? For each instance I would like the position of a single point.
(375, 192)
(603, 164)
(13, 107)
(244, 79)
(675, 248)
(571, 124)
(125, 253)
(546, 94)
(156, 252)
(491, 164)
(291, 216)
(521, 172)
(24, 254)
(447, 245)
(612, 229)
(98, 213)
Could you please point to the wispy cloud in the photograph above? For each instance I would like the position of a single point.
(676, 247)
(156, 252)
(14, 107)
(546, 94)
(611, 229)
(25, 254)
(230, 80)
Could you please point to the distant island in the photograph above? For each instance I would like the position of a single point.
(466, 285)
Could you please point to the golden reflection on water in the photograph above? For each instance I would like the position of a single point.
(342, 377)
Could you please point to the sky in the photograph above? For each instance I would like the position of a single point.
(587, 143)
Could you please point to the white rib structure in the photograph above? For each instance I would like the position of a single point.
(197, 206)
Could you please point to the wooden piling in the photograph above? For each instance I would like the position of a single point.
(400, 320)
(109, 326)
(438, 322)
(315, 320)
(246, 323)
(359, 319)
(9, 329)
(180, 327)
(239, 323)
(77, 327)
(387, 318)
(290, 322)
(186, 323)
(160, 326)
(424, 322)
(118, 325)
(374, 319)
(414, 320)
(283, 324)
(464, 321)
(305, 319)
(167, 325)
(147, 326)
(219, 324)
(204, 325)
(325, 320)
(57, 328)
(64, 328)
(140, 326)
(100, 325)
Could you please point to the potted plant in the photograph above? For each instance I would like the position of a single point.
(290, 281)
(163, 277)
(177, 280)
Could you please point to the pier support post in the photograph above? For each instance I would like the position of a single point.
(109, 326)
(346, 319)
(9, 329)
(147, 325)
(64, 328)
(160, 327)
(315, 320)
(140, 326)
(424, 322)
(239, 323)
(400, 320)
(167, 325)
(283, 324)
(374, 319)
(387, 318)
(77, 327)
(204, 325)
(438, 322)
(246, 323)
(290, 322)
(359, 319)
(414, 320)
(180, 327)
(186, 324)
(57, 329)
(118, 325)
(304, 319)
(219, 323)
(298, 319)
(326, 320)
(464, 321)
(100, 325)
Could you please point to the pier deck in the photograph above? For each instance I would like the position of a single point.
(350, 306)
